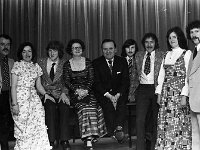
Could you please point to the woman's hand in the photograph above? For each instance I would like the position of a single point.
(15, 109)
(81, 93)
(48, 97)
(158, 98)
(183, 100)
(64, 99)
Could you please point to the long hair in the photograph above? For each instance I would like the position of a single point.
(182, 41)
(126, 44)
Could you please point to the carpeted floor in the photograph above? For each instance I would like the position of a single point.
(102, 144)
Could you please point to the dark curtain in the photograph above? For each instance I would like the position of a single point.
(40, 21)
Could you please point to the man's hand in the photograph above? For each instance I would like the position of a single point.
(64, 99)
(48, 97)
(158, 99)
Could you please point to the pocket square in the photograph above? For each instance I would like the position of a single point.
(118, 72)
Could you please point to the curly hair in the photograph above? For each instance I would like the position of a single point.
(56, 45)
(192, 25)
(182, 41)
(21, 48)
(68, 49)
(153, 36)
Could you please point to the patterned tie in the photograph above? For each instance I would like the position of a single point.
(147, 64)
(5, 72)
(52, 71)
(110, 65)
(195, 52)
(130, 65)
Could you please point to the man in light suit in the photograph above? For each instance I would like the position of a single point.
(111, 82)
(5, 115)
(146, 100)
(57, 111)
(193, 33)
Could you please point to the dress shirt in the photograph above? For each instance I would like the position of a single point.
(108, 62)
(108, 66)
(49, 65)
(198, 47)
(170, 59)
(127, 59)
(148, 79)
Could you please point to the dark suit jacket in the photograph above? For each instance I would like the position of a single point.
(55, 87)
(104, 81)
(158, 61)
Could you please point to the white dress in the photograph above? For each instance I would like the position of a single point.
(30, 130)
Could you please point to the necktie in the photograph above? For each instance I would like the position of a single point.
(195, 52)
(147, 64)
(130, 65)
(5, 72)
(110, 65)
(52, 71)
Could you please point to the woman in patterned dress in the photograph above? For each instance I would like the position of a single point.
(174, 124)
(28, 113)
(78, 76)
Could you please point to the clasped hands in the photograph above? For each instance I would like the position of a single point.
(63, 98)
(113, 98)
(81, 93)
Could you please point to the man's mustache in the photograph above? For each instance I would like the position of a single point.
(195, 37)
(5, 49)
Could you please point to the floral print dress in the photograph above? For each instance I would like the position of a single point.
(174, 123)
(29, 129)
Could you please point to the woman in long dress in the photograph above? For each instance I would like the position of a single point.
(78, 76)
(28, 113)
(174, 124)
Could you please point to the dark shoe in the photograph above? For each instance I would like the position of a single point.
(65, 145)
(119, 134)
(54, 144)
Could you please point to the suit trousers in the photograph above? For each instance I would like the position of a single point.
(4, 119)
(146, 103)
(57, 120)
(195, 119)
(114, 117)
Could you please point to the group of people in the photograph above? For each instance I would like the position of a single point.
(164, 85)
(167, 100)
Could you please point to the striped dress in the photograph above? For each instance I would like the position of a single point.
(90, 114)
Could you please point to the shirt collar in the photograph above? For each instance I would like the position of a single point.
(198, 47)
(51, 62)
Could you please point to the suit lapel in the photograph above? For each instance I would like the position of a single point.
(141, 58)
(44, 68)
(58, 72)
(195, 64)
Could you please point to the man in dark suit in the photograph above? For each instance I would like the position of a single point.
(57, 111)
(111, 82)
(148, 64)
(5, 67)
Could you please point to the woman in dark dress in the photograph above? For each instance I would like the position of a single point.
(78, 76)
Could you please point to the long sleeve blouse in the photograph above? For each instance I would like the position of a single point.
(170, 59)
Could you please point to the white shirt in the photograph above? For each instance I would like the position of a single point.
(170, 59)
(108, 62)
(198, 47)
(148, 79)
(49, 65)
(128, 58)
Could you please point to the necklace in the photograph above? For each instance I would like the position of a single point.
(78, 64)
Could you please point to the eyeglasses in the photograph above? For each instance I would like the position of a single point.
(4, 44)
(76, 48)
